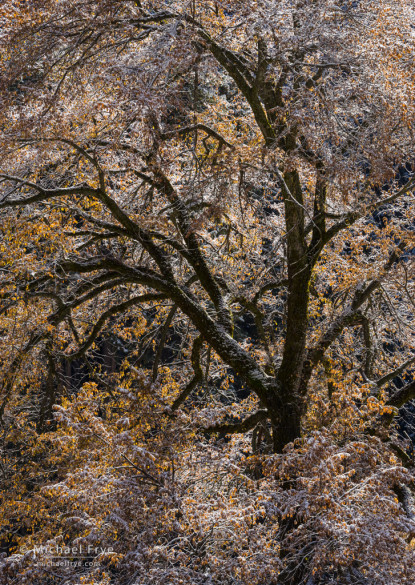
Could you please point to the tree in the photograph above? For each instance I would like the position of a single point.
(232, 184)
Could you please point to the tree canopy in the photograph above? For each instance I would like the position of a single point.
(207, 291)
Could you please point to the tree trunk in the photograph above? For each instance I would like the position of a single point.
(299, 272)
